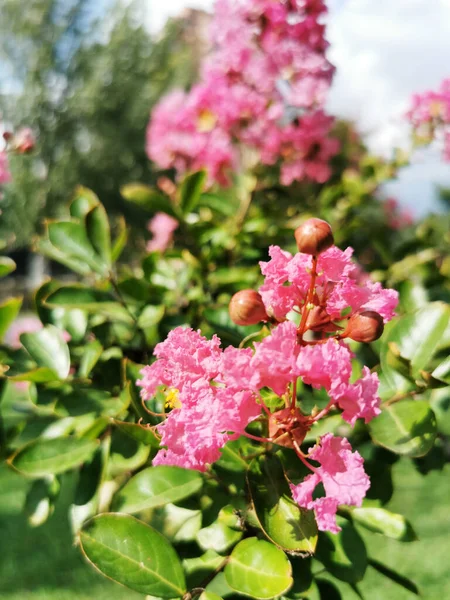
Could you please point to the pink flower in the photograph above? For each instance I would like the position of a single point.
(23, 324)
(23, 140)
(185, 356)
(275, 358)
(359, 400)
(5, 175)
(339, 285)
(325, 365)
(161, 227)
(343, 477)
(268, 58)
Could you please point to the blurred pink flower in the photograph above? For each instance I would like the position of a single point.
(161, 227)
(5, 175)
(26, 324)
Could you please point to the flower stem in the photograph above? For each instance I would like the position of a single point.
(309, 297)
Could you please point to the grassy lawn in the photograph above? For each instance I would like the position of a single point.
(42, 564)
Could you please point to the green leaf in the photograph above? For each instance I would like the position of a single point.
(286, 524)
(99, 234)
(9, 309)
(48, 348)
(83, 201)
(197, 569)
(209, 596)
(151, 315)
(191, 190)
(383, 521)
(157, 486)
(133, 554)
(71, 240)
(343, 554)
(143, 434)
(407, 427)
(7, 266)
(147, 198)
(121, 240)
(45, 247)
(442, 371)
(38, 375)
(327, 590)
(258, 569)
(417, 337)
(394, 576)
(89, 299)
(79, 401)
(52, 456)
(223, 534)
(92, 352)
(40, 504)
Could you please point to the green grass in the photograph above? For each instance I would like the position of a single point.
(43, 564)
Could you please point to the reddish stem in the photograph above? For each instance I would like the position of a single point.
(309, 297)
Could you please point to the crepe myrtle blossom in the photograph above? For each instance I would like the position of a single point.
(262, 87)
(162, 227)
(212, 394)
(430, 116)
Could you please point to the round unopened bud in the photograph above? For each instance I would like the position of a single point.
(247, 308)
(365, 327)
(314, 236)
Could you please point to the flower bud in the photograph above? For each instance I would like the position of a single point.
(314, 236)
(365, 327)
(247, 308)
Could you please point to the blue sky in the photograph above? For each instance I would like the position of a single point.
(384, 50)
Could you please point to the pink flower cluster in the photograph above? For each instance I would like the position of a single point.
(214, 394)
(263, 87)
(430, 114)
(162, 227)
(339, 285)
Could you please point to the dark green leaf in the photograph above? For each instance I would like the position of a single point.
(92, 352)
(133, 554)
(141, 433)
(71, 240)
(190, 191)
(343, 554)
(52, 456)
(99, 234)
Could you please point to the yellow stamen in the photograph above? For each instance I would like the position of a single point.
(172, 399)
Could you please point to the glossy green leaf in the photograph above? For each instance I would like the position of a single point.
(7, 266)
(401, 580)
(209, 596)
(383, 521)
(89, 299)
(133, 554)
(258, 569)
(138, 432)
(52, 456)
(71, 240)
(286, 524)
(147, 198)
(176, 523)
(157, 486)
(45, 247)
(191, 190)
(121, 239)
(407, 427)
(343, 554)
(98, 231)
(48, 348)
(80, 401)
(151, 315)
(38, 375)
(417, 337)
(9, 309)
(197, 569)
(91, 354)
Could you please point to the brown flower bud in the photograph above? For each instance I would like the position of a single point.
(365, 327)
(247, 308)
(288, 425)
(314, 236)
